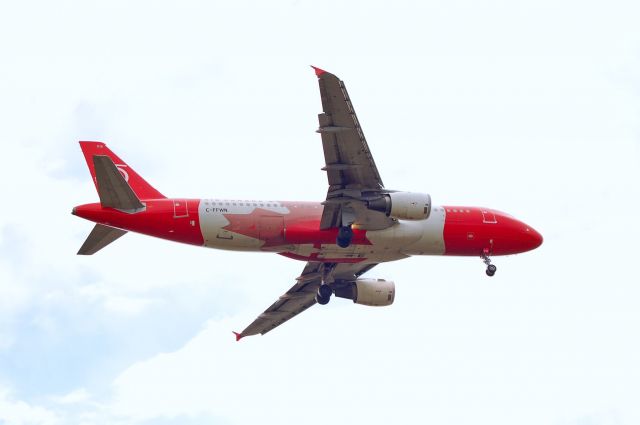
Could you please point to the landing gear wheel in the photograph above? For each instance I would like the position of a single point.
(324, 294)
(322, 301)
(325, 291)
(345, 234)
(491, 270)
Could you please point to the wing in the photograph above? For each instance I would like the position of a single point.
(351, 171)
(302, 295)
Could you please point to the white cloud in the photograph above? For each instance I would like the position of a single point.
(113, 302)
(16, 412)
(79, 395)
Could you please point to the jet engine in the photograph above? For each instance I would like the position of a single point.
(403, 205)
(371, 292)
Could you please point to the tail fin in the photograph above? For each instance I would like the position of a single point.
(142, 189)
(113, 189)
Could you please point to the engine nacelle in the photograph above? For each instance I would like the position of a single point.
(403, 205)
(371, 292)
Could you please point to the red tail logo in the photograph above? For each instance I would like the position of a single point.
(124, 173)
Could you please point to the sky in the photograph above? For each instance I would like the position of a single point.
(529, 107)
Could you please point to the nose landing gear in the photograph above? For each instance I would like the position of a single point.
(491, 269)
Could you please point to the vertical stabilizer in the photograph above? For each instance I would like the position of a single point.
(113, 189)
(142, 189)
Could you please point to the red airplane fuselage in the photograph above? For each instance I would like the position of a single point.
(293, 230)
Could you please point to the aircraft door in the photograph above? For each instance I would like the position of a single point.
(488, 217)
(180, 208)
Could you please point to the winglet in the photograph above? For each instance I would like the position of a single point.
(318, 71)
(238, 335)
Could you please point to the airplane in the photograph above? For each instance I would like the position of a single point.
(360, 223)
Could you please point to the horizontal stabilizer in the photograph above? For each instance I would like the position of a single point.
(113, 189)
(99, 237)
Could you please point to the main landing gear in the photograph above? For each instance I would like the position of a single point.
(345, 234)
(491, 269)
(324, 294)
(325, 290)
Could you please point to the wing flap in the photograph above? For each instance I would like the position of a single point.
(343, 140)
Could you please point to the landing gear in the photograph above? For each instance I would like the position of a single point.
(324, 294)
(345, 234)
(491, 269)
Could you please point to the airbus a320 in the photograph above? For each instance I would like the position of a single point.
(360, 223)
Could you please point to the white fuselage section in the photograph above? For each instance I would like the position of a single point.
(255, 226)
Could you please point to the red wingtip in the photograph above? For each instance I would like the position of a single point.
(318, 71)
(238, 335)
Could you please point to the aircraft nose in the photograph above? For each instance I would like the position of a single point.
(534, 238)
